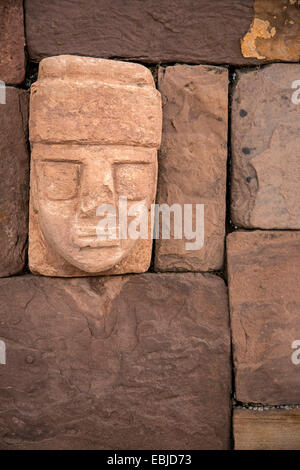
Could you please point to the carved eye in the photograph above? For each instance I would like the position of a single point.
(134, 180)
(59, 180)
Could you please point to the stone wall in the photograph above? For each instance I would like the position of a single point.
(194, 349)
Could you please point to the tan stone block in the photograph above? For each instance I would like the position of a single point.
(95, 126)
(273, 429)
(192, 161)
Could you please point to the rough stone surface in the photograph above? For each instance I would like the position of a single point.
(14, 181)
(12, 42)
(132, 362)
(266, 148)
(192, 161)
(266, 430)
(274, 33)
(95, 127)
(264, 295)
(167, 31)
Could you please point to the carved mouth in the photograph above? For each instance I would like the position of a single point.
(94, 242)
(85, 236)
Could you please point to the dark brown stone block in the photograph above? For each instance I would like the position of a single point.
(264, 295)
(274, 33)
(12, 42)
(265, 129)
(192, 161)
(133, 362)
(149, 31)
(273, 429)
(14, 181)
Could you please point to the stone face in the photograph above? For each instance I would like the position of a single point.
(121, 362)
(148, 31)
(264, 295)
(12, 42)
(267, 430)
(95, 126)
(192, 161)
(274, 33)
(14, 181)
(266, 148)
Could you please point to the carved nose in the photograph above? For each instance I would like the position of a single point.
(97, 187)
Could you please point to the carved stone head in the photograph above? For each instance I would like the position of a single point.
(95, 126)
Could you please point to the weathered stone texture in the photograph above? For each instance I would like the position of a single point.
(133, 362)
(14, 181)
(274, 33)
(192, 160)
(264, 295)
(95, 127)
(267, 430)
(167, 31)
(266, 148)
(12, 42)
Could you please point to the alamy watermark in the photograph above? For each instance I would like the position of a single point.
(2, 92)
(296, 94)
(2, 352)
(296, 354)
(132, 221)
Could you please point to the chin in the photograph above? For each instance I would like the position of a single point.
(95, 268)
(94, 264)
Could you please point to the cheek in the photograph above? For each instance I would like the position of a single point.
(56, 221)
(58, 209)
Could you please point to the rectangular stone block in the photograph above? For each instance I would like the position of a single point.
(121, 362)
(265, 141)
(12, 42)
(95, 127)
(94, 101)
(14, 181)
(149, 31)
(264, 296)
(274, 429)
(274, 33)
(192, 162)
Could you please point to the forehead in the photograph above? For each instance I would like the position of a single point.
(88, 154)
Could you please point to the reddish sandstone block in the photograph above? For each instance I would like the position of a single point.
(264, 295)
(274, 429)
(12, 42)
(132, 362)
(274, 33)
(14, 182)
(149, 31)
(265, 129)
(192, 161)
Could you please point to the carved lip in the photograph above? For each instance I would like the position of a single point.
(94, 242)
(85, 236)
